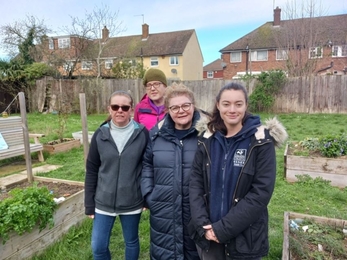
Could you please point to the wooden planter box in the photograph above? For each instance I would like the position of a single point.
(61, 147)
(332, 169)
(338, 223)
(68, 213)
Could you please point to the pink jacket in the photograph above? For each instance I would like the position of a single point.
(145, 114)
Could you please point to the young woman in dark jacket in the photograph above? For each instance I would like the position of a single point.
(112, 182)
(165, 176)
(232, 180)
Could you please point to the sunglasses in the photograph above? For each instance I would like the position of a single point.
(116, 108)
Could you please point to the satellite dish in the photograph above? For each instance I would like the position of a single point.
(174, 71)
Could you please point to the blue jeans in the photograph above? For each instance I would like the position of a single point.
(102, 227)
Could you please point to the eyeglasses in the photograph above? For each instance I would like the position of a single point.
(155, 85)
(116, 108)
(185, 107)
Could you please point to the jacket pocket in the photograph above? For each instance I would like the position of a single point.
(197, 237)
(252, 241)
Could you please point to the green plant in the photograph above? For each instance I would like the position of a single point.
(26, 208)
(327, 145)
(268, 86)
(333, 145)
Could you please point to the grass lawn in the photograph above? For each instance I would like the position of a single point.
(313, 197)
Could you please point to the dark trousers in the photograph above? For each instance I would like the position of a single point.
(217, 252)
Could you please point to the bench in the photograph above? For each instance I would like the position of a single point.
(11, 129)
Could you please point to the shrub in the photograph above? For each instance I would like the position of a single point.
(327, 146)
(24, 209)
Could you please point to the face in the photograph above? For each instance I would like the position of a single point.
(183, 119)
(232, 108)
(120, 118)
(155, 91)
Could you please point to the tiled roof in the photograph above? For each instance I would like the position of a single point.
(214, 65)
(157, 44)
(316, 31)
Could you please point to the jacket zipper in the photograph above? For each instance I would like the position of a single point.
(238, 179)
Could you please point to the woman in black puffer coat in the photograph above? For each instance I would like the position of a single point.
(165, 176)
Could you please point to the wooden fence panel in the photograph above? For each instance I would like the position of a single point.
(315, 94)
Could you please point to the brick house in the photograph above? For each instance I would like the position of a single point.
(177, 54)
(300, 47)
(214, 70)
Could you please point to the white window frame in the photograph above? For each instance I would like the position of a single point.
(315, 52)
(235, 58)
(154, 61)
(209, 74)
(87, 65)
(67, 66)
(256, 55)
(51, 44)
(281, 54)
(108, 64)
(174, 60)
(63, 43)
(339, 50)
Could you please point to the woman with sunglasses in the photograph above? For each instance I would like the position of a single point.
(165, 176)
(112, 182)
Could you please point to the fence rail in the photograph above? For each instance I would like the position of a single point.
(315, 94)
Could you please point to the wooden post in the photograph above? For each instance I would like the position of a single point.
(83, 110)
(23, 114)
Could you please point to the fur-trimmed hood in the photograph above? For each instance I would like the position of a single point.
(275, 127)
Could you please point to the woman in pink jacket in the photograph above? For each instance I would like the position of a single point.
(151, 110)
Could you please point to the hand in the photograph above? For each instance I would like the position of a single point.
(209, 234)
(91, 216)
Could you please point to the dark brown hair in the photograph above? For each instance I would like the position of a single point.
(217, 123)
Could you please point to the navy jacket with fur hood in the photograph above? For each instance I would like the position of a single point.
(243, 227)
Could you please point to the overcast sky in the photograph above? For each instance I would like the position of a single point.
(217, 23)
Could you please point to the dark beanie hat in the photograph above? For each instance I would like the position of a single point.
(154, 75)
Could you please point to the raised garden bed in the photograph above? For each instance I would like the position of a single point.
(68, 213)
(331, 169)
(324, 237)
(56, 146)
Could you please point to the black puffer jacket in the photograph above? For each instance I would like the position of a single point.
(165, 187)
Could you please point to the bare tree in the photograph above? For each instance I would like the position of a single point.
(302, 36)
(14, 35)
(93, 32)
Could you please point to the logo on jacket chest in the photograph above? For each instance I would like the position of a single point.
(240, 157)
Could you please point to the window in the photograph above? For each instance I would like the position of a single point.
(281, 54)
(154, 61)
(260, 55)
(173, 60)
(210, 74)
(235, 56)
(63, 43)
(68, 65)
(339, 51)
(87, 65)
(51, 44)
(108, 64)
(316, 52)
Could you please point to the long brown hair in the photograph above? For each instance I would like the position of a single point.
(216, 123)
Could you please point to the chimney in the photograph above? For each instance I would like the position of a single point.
(277, 16)
(145, 31)
(105, 34)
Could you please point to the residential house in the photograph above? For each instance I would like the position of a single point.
(303, 46)
(177, 53)
(214, 70)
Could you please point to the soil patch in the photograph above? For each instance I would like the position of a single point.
(58, 189)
